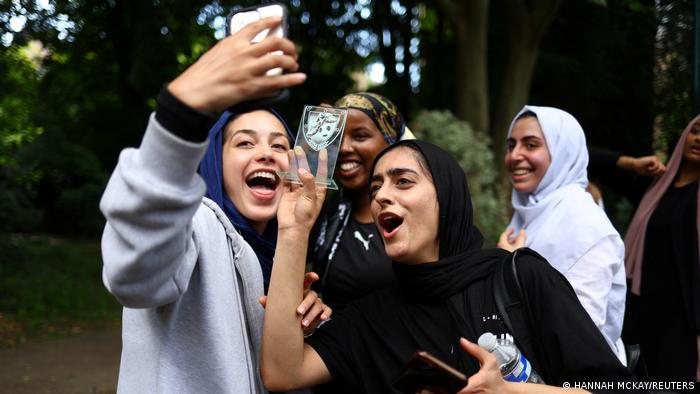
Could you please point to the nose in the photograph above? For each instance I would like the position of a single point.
(514, 154)
(383, 196)
(264, 154)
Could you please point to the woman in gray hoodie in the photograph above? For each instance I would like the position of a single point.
(188, 279)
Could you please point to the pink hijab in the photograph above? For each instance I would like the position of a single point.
(634, 240)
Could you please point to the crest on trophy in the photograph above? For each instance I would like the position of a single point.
(320, 128)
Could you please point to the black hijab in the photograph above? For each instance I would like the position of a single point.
(462, 261)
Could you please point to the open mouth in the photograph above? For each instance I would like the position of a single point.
(263, 181)
(389, 222)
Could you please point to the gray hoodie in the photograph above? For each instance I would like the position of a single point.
(188, 281)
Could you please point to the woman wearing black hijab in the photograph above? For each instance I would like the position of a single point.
(421, 205)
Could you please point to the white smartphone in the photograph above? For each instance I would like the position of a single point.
(239, 19)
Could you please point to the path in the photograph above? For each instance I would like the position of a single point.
(86, 363)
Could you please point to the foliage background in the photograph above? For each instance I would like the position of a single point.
(79, 79)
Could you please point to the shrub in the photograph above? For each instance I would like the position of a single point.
(472, 151)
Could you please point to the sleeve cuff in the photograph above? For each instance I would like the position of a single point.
(181, 120)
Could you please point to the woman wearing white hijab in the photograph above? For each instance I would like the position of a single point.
(554, 215)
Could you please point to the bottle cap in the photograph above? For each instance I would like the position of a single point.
(488, 341)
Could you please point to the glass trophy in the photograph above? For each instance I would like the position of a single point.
(320, 128)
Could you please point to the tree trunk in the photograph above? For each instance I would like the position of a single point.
(526, 26)
(470, 22)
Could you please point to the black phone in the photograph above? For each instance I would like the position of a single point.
(427, 372)
(240, 18)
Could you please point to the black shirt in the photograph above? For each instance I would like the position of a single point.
(358, 267)
(366, 346)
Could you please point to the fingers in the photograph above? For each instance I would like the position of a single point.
(292, 169)
(302, 162)
(263, 301)
(520, 239)
(309, 279)
(484, 357)
(268, 62)
(658, 167)
(270, 85)
(313, 314)
(251, 30)
(322, 169)
(504, 241)
(307, 180)
(307, 302)
(274, 44)
(326, 313)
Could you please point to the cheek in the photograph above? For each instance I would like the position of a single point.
(283, 161)
(544, 162)
(374, 210)
(372, 148)
(232, 169)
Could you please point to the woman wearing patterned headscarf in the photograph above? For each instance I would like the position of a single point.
(348, 253)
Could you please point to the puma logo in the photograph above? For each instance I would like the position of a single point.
(358, 236)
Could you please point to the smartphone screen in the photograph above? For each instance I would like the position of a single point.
(243, 17)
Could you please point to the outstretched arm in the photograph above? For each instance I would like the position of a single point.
(286, 361)
(649, 166)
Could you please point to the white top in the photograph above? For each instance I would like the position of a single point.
(565, 225)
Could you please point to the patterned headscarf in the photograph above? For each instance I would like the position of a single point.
(382, 111)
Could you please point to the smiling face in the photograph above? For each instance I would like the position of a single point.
(528, 158)
(255, 147)
(405, 208)
(691, 149)
(362, 142)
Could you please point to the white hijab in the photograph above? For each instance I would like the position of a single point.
(560, 218)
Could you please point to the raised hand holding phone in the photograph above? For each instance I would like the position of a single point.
(238, 20)
(234, 70)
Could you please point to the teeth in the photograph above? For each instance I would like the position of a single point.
(521, 172)
(349, 165)
(262, 174)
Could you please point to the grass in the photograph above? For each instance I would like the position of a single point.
(52, 287)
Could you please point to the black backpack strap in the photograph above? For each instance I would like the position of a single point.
(511, 305)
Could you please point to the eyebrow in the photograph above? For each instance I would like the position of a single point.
(527, 138)
(254, 133)
(249, 132)
(396, 171)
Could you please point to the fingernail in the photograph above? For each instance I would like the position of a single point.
(303, 171)
(301, 309)
(305, 323)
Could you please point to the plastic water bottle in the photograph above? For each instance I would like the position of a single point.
(514, 366)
